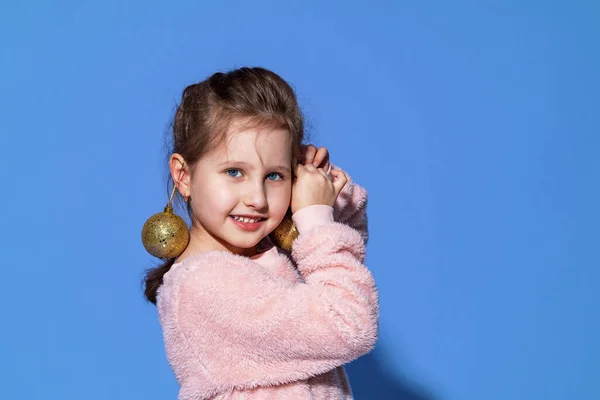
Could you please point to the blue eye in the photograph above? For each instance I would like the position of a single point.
(274, 176)
(233, 172)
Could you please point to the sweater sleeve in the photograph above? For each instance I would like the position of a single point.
(250, 329)
(351, 207)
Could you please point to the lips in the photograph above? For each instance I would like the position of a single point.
(247, 223)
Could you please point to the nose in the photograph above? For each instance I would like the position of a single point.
(255, 196)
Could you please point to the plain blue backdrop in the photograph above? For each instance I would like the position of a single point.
(473, 124)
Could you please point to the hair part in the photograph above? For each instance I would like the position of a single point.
(258, 97)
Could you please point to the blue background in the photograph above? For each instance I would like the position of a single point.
(473, 124)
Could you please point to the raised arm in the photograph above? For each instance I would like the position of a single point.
(249, 329)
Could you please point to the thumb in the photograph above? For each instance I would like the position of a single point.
(339, 180)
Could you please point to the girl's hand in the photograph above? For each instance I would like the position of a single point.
(313, 187)
(317, 157)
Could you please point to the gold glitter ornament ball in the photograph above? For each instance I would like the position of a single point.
(165, 235)
(284, 235)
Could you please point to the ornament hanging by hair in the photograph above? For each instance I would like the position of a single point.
(165, 234)
(286, 232)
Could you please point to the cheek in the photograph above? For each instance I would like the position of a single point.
(209, 196)
(279, 199)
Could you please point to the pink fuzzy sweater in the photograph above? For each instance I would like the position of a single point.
(263, 328)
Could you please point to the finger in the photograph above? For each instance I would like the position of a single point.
(321, 157)
(309, 167)
(309, 154)
(324, 173)
(327, 169)
(339, 180)
(297, 168)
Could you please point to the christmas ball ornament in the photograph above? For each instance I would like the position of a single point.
(286, 232)
(165, 235)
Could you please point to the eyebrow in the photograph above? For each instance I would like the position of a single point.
(246, 165)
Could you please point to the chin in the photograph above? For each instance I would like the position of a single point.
(245, 244)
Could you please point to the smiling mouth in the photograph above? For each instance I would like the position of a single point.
(247, 220)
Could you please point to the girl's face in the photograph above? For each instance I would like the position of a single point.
(241, 190)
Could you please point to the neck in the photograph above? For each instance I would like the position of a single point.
(202, 241)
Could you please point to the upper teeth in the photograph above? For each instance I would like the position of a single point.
(246, 220)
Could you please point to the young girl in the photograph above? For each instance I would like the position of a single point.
(241, 318)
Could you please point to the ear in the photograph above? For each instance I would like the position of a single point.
(180, 173)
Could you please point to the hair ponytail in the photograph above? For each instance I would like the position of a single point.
(154, 278)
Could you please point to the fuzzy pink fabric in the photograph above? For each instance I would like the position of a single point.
(263, 328)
